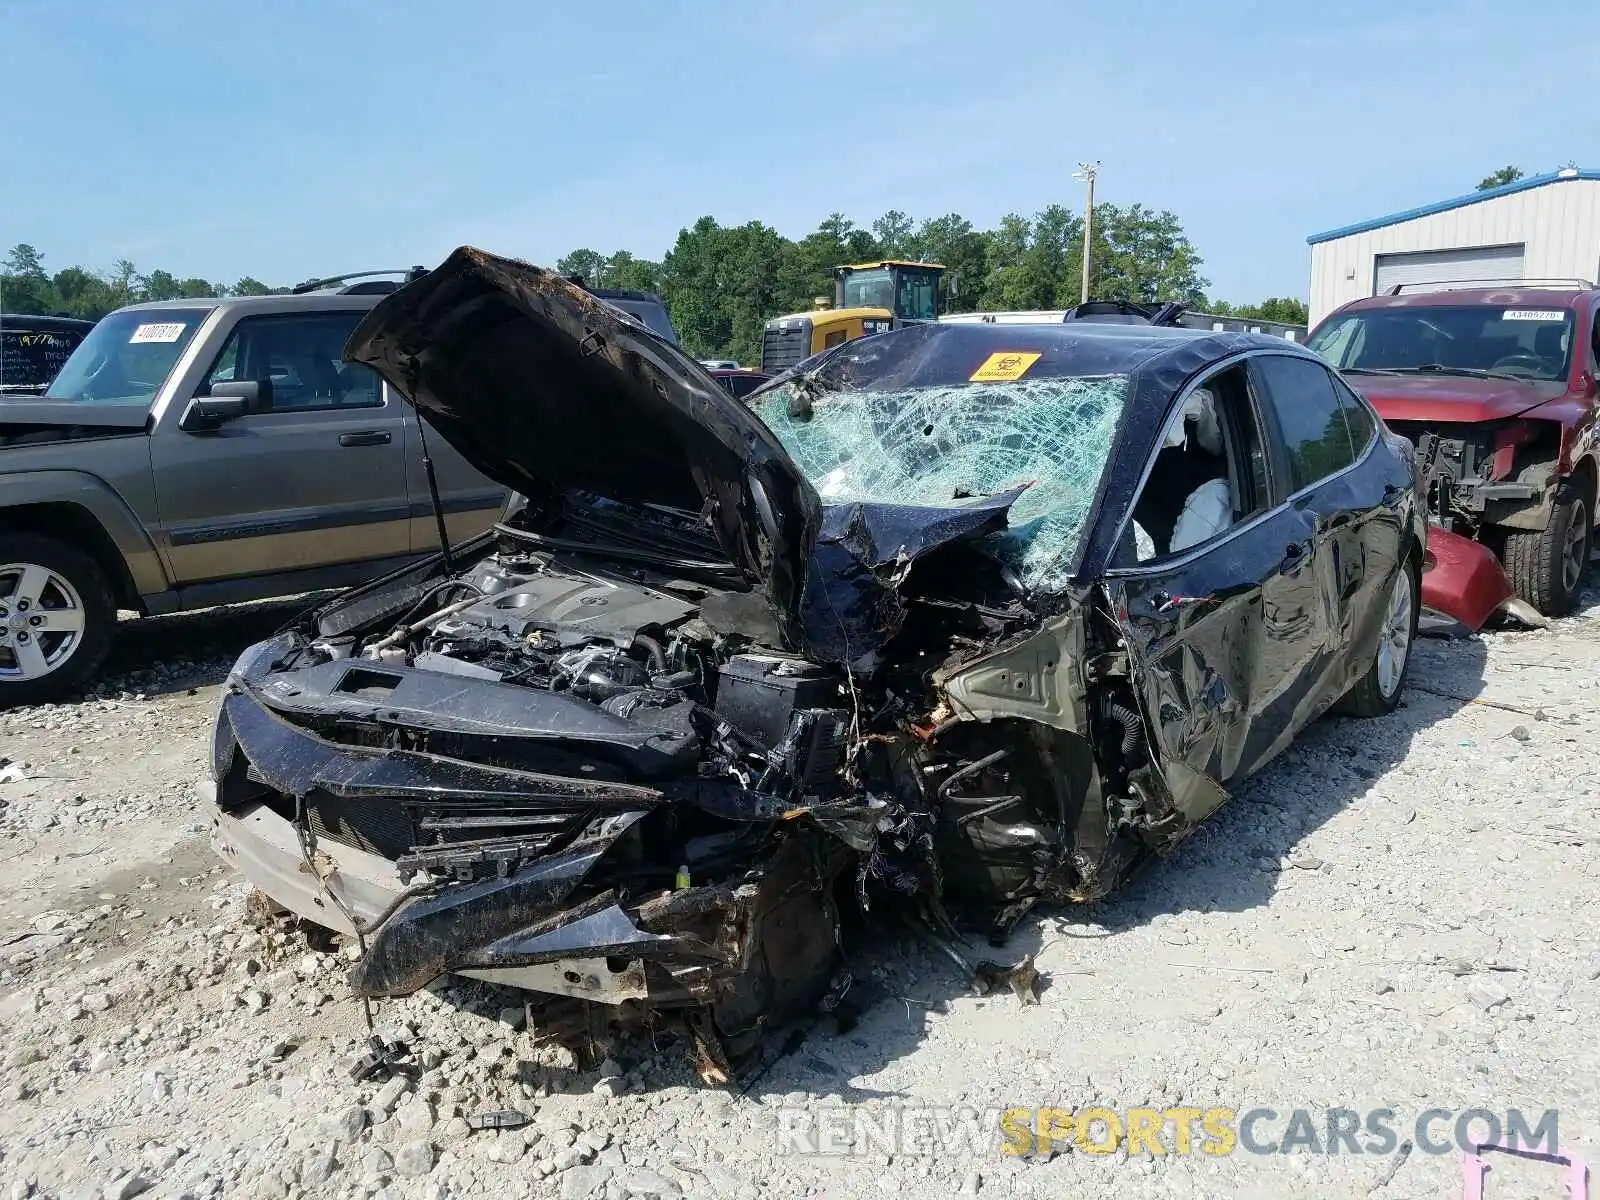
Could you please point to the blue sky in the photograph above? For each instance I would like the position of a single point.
(287, 138)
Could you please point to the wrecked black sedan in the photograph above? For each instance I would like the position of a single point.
(958, 617)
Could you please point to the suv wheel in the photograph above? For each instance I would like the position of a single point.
(56, 617)
(1548, 566)
(1377, 693)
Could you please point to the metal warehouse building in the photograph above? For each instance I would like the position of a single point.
(1542, 227)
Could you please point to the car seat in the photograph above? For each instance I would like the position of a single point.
(1190, 476)
(1551, 343)
(1208, 509)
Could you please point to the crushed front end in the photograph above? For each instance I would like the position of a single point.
(1474, 475)
(608, 782)
(547, 774)
(651, 738)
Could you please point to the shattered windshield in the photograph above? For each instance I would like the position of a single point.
(934, 445)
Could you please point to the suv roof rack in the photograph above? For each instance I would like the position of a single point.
(1457, 285)
(316, 285)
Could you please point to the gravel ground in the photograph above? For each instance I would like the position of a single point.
(1397, 914)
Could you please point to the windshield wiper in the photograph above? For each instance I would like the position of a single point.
(1366, 371)
(1441, 369)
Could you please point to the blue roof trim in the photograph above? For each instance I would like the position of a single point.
(1427, 210)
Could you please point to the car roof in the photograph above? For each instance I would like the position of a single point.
(58, 324)
(1497, 297)
(266, 304)
(1099, 348)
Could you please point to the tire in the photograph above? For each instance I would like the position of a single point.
(1547, 566)
(1377, 693)
(40, 576)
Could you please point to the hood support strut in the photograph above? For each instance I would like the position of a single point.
(427, 471)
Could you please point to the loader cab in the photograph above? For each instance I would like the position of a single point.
(908, 290)
(868, 298)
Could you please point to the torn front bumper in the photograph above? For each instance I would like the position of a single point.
(563, 919)
(264, 848)
(1464, 580)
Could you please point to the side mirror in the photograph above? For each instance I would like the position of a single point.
(225, 402)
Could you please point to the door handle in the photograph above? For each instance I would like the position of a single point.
(365, 437)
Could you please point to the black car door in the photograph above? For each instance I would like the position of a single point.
(1227, 637)
(1352, 497)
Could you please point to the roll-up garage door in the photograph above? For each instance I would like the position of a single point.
(1446, 266)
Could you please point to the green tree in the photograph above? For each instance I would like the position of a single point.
(80, 292)
(689, 284)
(157, 285)
(122, 283)
(585, 263)
(1500, 178)
(721, 284)
(77, 290)
(1006, 284)
(623, 270)
(1052, 266)
(1287, 309)
(1144, 256)
(807, 266)
(963, 251)
(24, 262)
(893, 233)
(200, 289)
(24, 286)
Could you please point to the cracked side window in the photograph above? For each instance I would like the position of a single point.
(945, 444)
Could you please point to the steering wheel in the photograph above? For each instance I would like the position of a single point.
(1534, 362)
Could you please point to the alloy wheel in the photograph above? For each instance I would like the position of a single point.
(41, 621)
(1394, 644)
(1575, 554)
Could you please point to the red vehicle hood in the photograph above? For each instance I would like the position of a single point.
(1451, 398)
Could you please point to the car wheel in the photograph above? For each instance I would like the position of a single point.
(56, 617)
(1377, 693)
(1547, 566)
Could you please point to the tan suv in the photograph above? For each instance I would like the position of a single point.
(197, 452)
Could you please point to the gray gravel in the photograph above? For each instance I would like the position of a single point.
(1396, 914)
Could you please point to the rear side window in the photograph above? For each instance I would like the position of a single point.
(1357, 416)
(1311, 423)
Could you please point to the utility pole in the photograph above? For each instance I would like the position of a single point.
(1086, 172)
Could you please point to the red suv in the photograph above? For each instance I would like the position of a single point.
(1496, 386)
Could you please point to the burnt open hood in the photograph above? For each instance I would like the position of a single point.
(544, 388)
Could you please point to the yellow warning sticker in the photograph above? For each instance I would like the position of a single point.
(1004, 366)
